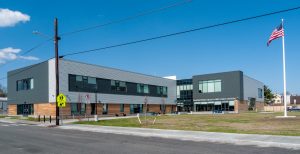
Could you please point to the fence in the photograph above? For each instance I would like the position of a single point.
(274, 108)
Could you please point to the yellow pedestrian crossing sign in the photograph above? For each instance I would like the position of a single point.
(61, 100)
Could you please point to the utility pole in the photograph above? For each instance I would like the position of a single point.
(56, 39)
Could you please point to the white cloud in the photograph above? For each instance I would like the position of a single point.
(28, 58)
(10, 53)
(9, 18)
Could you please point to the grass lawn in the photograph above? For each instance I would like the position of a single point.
(247, 123)
(2, 116)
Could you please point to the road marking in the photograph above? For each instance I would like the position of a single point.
(13, 124)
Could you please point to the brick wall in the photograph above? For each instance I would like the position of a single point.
(47, 109)
(154, 108)
(241, 106)
(12, 110)
(127, 109)
(113, 109)
(169, 108)
(88, 109)
(99, 109)
(259, 106)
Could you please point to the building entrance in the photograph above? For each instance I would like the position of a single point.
(93, 109)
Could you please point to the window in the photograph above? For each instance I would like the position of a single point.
(91, 80)
(210, 86)
(105, 109)
(121, 107)
(74, 110)
(181, 87)
(25, 109)
(136, 108)
(217, 85)
(142, 88)
(82, 83)
(25, 84)
(178, 92)
(78, 78)
(146, 89)
(260, 93)
(162, 108)
(78, 108)
(163, 90)
(79, 83)
(118, 86)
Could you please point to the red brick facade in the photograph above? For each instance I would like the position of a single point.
(48, 109)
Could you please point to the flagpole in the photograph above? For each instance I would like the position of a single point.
(284, 76)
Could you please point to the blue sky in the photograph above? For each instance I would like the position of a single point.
(239, 46)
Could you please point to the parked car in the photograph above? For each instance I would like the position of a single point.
(293, 108)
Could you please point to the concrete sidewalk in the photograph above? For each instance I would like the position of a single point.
(288, 142)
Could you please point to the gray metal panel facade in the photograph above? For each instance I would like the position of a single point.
(251, 88)
(232, 85)
(70, 67)
(39, 94)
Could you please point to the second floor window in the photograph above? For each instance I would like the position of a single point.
(25, 84)
(162, 90)
(142, 88)
(210, 86)
(118, 85)
(82, 83)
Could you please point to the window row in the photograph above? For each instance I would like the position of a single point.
(25, 84)
(181, 88)
(210, 86)
(80, 83)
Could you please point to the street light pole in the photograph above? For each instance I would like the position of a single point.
(56, 39)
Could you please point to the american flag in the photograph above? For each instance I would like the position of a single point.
(277, 33)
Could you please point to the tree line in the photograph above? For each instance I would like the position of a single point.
(3, 91)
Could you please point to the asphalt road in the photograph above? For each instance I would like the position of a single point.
(22, 138)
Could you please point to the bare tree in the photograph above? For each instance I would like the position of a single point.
(3, 91)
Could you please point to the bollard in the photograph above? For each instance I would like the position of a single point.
(44, 118)
(50, 119)
(39, 118)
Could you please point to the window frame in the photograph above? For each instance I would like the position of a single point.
(210, 86)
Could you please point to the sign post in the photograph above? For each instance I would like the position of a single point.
(61, 100)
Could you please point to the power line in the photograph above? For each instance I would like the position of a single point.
(35, 47)
(181, 32)
(28, 51)
(130, 17)
(109, 23)
(24, 69)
